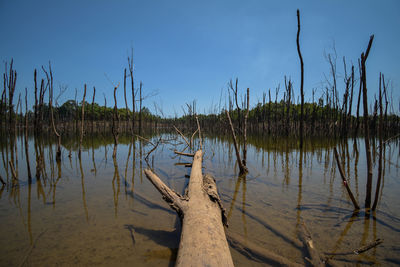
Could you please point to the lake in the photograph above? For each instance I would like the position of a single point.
(103, 211)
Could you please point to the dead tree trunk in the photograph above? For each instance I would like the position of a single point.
(301, 81)
(130, 65)
(366, 124)
(92, 113)
(50, 84)
(115, 123)
(26, 138)
(82, 122)
(381, 146)
(245, 130)
(203, 241)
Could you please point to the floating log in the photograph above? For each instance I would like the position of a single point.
(203, 241)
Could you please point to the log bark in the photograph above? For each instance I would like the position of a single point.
(203, 241)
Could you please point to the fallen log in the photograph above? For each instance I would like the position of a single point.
(203, 241)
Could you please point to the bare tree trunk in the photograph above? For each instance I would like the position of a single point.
(366, 124)
(115, 123)
(104, 115)
(82, 122)
(381, 147)
(130, 65)
(302, 79)
(50, 84)
(203, 241)
(245, 130)
(35, 122)
(140, 107)
(126, 102)
(26, 138)
(358, 101)
(92, 115)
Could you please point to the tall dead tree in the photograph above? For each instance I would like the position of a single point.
(381, 145)
(366, 124)
(35, 108)
(246, 115)
(11, 80)
(53, 125)
(26, 138)
(82, 122)
(236, 101)
(301, 81)
(92, 113)
(130, 65)
(126, 102)
(140, 107)
(115, 123)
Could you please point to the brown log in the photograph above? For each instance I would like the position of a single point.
(203, 241)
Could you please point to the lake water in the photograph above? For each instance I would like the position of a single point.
(100, 211)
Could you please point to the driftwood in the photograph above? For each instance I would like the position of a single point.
(305, 236)
(203, 241)
(359, 250)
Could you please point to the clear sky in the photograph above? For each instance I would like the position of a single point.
(189, 50)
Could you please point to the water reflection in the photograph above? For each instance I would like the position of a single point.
(284, 186)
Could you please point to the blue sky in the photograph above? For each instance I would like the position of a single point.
(189, 50)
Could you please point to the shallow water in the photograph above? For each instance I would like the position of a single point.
(97, 211)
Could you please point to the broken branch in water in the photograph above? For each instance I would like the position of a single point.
(359, 250)
(184, 154)
(368, 246)
(345, 183)
(2, 181)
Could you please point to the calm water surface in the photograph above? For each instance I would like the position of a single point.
(100, 211)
